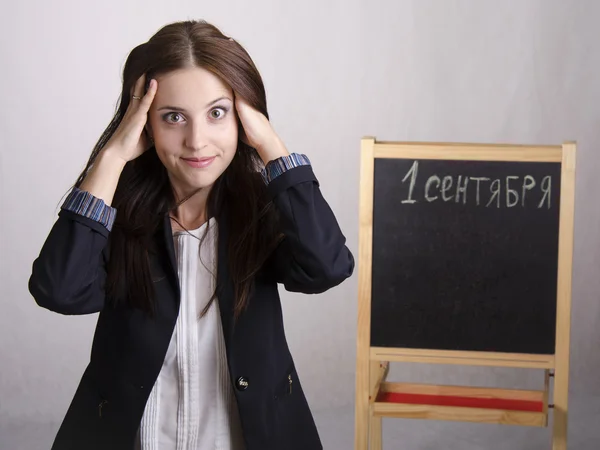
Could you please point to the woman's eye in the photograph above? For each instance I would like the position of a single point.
(217, 113)
(173, 117)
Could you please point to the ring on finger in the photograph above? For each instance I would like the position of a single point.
(135, 97)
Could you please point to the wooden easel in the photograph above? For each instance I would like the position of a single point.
(372, 389)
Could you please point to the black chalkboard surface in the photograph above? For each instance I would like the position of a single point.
(465, 255)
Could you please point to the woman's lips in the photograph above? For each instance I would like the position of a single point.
(199, 163)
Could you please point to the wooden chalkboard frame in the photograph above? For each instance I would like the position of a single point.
(372, 363)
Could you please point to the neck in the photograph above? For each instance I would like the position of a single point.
(191, 214)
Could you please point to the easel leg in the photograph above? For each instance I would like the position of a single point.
(563, 291)
(361, 423)
(361, 413)
(378, 371)
(559, 435)
(546, 394)
(375, 433)
(561, 392)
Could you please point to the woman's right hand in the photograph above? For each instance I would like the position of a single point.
(130, 139)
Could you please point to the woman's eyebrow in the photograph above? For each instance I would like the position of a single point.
(223, 97)
(172, 108)
(178, 109)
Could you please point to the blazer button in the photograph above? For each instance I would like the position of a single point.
(242, 383)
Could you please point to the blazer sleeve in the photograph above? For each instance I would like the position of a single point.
(69, 274)
(312, 256)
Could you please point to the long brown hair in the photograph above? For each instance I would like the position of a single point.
(144, 195)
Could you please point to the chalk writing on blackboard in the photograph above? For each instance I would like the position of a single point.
(508, 191)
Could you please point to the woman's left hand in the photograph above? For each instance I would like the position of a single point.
(259, 133)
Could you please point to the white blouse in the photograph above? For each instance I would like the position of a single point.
(192, 405)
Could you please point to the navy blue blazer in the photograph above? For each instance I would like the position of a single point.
(129, 346)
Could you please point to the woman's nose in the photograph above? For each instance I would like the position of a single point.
(196, 137)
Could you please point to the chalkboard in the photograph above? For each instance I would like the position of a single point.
(465, 255)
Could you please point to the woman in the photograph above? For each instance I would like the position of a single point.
(189, 213)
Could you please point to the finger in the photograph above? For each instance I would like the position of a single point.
(149, 97)
(138, 88)
(240, 103)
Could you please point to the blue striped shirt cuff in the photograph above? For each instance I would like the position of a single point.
(276, 167)
(85, 204)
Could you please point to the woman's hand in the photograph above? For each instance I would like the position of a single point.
(259, 133)
(130, 140)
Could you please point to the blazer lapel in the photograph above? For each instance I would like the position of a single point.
(225, 293)
(170, 246)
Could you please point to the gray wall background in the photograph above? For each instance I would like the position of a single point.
(517, 71)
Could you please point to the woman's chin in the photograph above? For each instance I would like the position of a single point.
(186, 185)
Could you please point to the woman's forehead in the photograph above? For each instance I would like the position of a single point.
(192, 87)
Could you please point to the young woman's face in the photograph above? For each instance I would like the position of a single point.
(194, 126)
